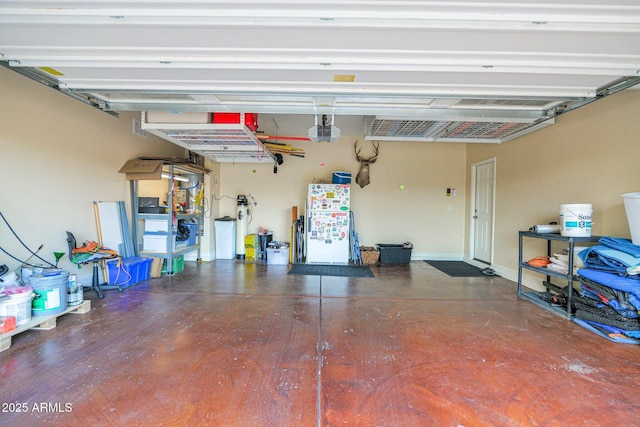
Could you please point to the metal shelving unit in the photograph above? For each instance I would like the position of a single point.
(171, 218)
(570, 278)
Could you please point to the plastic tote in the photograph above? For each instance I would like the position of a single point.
(632, 207)
(340, 177)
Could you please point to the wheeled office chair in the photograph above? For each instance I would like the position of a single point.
(94, 258)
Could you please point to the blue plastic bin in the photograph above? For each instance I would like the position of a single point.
(131, 271)
(341, 178)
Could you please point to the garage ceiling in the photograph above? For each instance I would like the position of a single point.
(461, 71)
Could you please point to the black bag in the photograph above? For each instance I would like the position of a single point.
(183, 233)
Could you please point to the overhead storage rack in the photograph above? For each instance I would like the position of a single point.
(221, 142)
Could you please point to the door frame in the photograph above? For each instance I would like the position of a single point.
(472, 205)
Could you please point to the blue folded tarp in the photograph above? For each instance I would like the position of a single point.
(623, 245)
(605, 258)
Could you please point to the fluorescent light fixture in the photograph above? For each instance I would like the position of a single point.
(174, 177)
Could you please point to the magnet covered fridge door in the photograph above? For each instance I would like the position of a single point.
(328, 197)
(328, 237)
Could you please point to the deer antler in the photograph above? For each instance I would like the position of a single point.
(371, 159)
(357, 150)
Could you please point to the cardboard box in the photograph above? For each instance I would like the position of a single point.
(142, 169)
(252, 247)
(156, 267)
(188, 117)
(251, 241)
(251, 254)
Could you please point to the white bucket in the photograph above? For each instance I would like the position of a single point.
(17, 304)
(575, 220)
(632, 207)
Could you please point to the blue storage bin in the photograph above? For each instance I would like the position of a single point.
(193, 233)
(130, 271)
(340, 177)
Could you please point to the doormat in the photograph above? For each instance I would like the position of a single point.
(461, 269)
(331, 270)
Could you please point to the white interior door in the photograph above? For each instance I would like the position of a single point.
(482, 218)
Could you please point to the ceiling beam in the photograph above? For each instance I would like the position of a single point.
(568, 16)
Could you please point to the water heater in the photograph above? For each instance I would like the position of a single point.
(241, 225)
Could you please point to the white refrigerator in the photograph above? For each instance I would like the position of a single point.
(328, 223)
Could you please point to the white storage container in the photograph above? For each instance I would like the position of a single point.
(156, 242)
(225, 229)
(632, 208)
(278, 256)
(193, 117)
(156, 225)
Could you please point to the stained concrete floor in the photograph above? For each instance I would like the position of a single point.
(229, 343)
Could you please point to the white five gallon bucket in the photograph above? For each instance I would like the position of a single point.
(17, 303)
(575, 220)
(632, 207)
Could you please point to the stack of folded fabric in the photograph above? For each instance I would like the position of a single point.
(613, 255)
(560, 263)
(609, 300)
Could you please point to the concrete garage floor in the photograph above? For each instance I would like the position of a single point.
(228, 343)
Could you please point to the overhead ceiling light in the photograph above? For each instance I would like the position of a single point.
(325, 131)
(174, 177)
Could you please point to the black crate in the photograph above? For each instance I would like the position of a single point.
(395, 253)
(152, 210)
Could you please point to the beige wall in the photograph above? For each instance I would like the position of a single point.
(59, 156)
(590, 155)
(421, 213)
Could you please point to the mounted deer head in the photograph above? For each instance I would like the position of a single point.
(362, 178)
